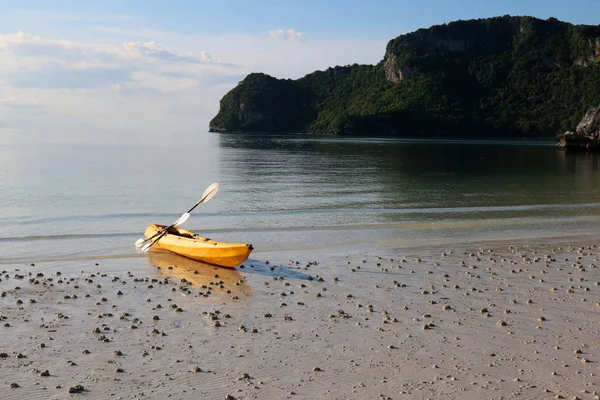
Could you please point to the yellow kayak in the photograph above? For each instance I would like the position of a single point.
(186, 243)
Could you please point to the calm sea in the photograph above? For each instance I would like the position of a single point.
(290, 193)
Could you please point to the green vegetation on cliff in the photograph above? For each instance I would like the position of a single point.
(505, 76)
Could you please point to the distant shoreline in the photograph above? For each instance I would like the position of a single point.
(434, 138)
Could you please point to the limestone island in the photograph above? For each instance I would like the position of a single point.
(504, 77)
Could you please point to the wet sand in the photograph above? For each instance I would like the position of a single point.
(489, 320)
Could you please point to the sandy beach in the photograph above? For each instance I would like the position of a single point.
(489, 320)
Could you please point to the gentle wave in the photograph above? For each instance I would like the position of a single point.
(67, 236)
(406, 225)
(89, 217)
(308, 211)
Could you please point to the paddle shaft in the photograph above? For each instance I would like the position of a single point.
(196, 205)
(204, 198)
(158, 235)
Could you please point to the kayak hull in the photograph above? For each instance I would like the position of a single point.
(186, 243)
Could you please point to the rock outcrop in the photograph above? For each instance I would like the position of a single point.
(392, 72)
(587, 135)
(594, 55)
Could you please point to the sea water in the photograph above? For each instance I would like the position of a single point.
(289, 193)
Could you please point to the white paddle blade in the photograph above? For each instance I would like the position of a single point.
(138, 243)
(210, 192)
(182, 219)
(146, 247)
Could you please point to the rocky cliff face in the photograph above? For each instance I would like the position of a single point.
(236, 110)
(594, 56)
(587, 135)
(393, 73)
(261, 103)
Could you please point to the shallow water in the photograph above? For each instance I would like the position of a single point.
(290, 193)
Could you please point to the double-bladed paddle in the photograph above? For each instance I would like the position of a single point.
(144, 245)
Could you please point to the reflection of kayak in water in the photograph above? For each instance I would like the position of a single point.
(186, 243)
(200, 275)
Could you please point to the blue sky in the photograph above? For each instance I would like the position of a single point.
(147, 65)
(319, 17)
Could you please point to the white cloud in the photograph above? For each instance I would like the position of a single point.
(161, 81)
(259, 53)
(64, 85)
(155, 50)
(290, 34)
(23, 45)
